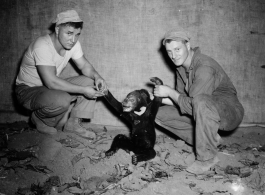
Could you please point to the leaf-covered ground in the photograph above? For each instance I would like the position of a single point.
(33, 163)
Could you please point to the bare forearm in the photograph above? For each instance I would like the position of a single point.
(98, 80)
(90, 72)
(60, 84)
(174, 95)
(87, 68)
(167, 101)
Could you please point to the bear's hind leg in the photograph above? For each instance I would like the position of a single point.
(143, 156)
(120, 142)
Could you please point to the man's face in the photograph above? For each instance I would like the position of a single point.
(68, 36)
(178, 52)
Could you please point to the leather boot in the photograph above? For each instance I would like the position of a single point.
(41, 127)
(73, 125)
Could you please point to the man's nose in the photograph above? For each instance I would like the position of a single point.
(73, 39)
(173, 55)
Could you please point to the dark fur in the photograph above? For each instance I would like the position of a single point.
(142, 136)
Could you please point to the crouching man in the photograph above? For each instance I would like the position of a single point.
(51, 98)
(204, 101)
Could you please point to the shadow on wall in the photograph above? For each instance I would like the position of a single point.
(170, 65)
(18, 108)
(162, 51)
(51, 28)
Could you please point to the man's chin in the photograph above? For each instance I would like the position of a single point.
(177, 63)
(68, 47)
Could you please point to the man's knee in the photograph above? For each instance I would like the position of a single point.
(56, 98)
(203, 101)
(204, 107)
(87, 81)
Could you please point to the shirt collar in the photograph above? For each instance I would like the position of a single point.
(197, 51)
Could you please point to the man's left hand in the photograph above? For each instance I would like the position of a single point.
(101, 85)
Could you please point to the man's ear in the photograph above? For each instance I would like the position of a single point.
(188, 45)
(56, 30)
(142, 110)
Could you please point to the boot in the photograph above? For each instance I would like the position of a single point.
(61, 123)
(200, 167)
(41, 127)
(73, 125)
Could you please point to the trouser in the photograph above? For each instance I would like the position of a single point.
(200, 128)
(50, 105)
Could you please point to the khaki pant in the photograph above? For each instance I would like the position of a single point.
(51, 105)
(200, 128)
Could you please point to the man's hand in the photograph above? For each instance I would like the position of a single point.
(162, 91)
(166, 92)
(101, 85)
(92, 93)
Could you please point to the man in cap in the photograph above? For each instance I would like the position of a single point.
(40, 89)
(204, 101)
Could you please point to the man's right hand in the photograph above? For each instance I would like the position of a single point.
(92, 93)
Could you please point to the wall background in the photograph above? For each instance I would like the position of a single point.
(122, 39)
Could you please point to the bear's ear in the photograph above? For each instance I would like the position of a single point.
(142, 110)
(145, 95)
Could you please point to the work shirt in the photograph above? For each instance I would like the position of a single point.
(204, 76)
(41, 52)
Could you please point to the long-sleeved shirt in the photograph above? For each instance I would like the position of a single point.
(204, 76)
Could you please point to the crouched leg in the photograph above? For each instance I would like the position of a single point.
(48, 106)
(170, 118)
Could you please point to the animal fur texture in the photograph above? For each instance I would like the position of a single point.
(140, 111)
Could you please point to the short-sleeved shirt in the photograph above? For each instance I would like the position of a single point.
(41, 52)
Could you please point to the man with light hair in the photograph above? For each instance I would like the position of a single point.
(204, 101)
(40, 89)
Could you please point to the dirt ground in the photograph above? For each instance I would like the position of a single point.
(33, 163)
